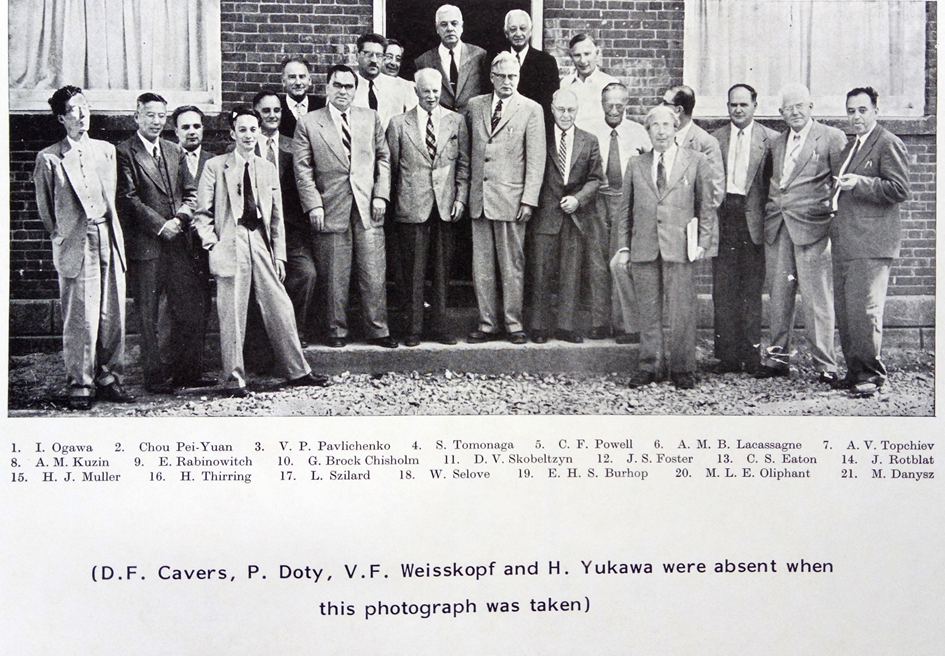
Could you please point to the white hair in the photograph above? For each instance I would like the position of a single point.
(517, 13)
(660, 109)
(428, 73)
(505, 57)
(445, 8)
(794, 90)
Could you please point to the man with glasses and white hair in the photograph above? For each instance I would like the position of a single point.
(539, 77)
(465, 67)
(797, 243)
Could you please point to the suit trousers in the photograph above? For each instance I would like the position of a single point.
(255, 270)
(93, 316)
(666, 293)
(300, 277)
(499, 243)
(422, 243)
(335, 253)
(623, 312)
(176, 274)
(738, 275)
(808, 270)
(860, 289)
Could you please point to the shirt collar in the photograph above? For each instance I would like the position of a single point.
(746, 129)
(804, 131)
(148, 145)
(682, 133)
(520, 55)
(81, 144)
(336, 113)
(241, 162)
(863, 137)
(457, 51)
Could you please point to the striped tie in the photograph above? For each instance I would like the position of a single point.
(345, 134)
(431, 138)
(563, 154)
(497, 114)
(660, 176)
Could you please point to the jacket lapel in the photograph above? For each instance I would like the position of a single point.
(171, 162)
(864, 152)
(509, 106)
(329, 133)
(724, 139)
(646, 160)
(755, 154)
(416, 134)
(463, 73)
(147, 163)
(803, 157)
(72, 167)
(680, 166)
(234, 178)
(577, 148)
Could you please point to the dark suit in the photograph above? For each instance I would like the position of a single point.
(89, 256)
(345, 189)
(564, 241)
(287, 126)
(158, 266)
(797, 220)
(538, 80)
(738, 273)
(426, 189)
(472, 79)
(865, 234)
(655, 232)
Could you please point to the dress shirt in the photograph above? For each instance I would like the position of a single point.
(265, 143)
(394, 96)
(94, 191)
(298, 109)
(193, 161)
(682, 134)
(590, 111)
(733, 186)
(632, 138)
(436, 115)
(241, 166)
(669, 158)
(151, 146)
(857, 144)
(791, 144)
(505, 105)
(458, 53)
(569, 143)
(336, 119)
(520, 56)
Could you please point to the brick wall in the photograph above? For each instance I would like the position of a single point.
(642, 44)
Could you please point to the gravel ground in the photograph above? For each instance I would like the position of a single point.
(36, 385)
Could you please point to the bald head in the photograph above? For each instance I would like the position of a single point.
(564, 108)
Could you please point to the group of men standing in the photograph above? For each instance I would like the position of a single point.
(548, 167)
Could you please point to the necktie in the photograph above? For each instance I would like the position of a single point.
(497, 114)
(791, 159)
(345, 134)
(660, 176)
(563, 154)
(518, 56)
(297, 110)
(159, 161)
(431, 137)
(371, 96)
(614, 175)
(454, 73)
(271, 152)
(249, 220)
(740, 170)
(192, 163)
(843, 170)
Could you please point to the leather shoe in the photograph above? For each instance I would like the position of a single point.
(201, 381)
(309, 380)
(845, 383)
(641, 379)
(865, 389)
(336, 342)
(684, 380)
(80, 402)
(600, 332)
(412, 340)
(237, 392)
(764, 371)
(518, 337)
(540, 337)
(164, 387)
(114, 392)
(628, 338)
(569, 336)
(724, 367)
(384, 342)
(448, 340)
(479, 337)
(828, 377)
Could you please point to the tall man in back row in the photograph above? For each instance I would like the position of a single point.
(796, 230)
(465, 67)
(539, 77)
(508, 164)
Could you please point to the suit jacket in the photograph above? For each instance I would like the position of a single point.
(472, 75)
(292, 214)
(802, 203)
(144, 203)
(867, 221)
(758, 176)
(585, 177)
(539, 79)
(287, 126)
(421, 182)
(323, 174)
(507, 165)
(220, 206)
(658, 222)
(701, 141)
(57, 175)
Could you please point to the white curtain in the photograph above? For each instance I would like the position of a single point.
(829, 45)
(108, 44)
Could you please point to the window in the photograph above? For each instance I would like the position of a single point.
(831, 46)
(114, 49)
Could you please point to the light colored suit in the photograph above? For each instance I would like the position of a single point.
(327, 179)
(90, 260)
(701, 141)
(472, 75)
(241, 259)
(426, 189)
(865, 235)
(655, 232)
(797, 221)
(738, 273)
(508, 165)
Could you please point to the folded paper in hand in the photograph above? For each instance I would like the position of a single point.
(692, 238)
